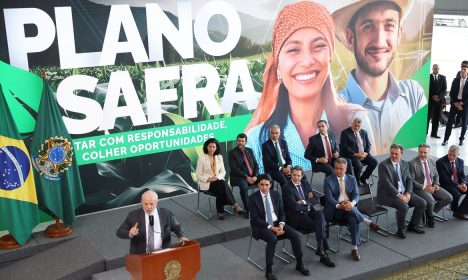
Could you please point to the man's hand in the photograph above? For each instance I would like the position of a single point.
(403, 198)
(286, 170)
(461, 187)
(458, 106)
(322, 160)
(336, 155)
(133, 231)
(429, 189)
(277, 230)
(182, 240)
(436, 187)
(310, 195)
(436, 98)
(251, 180)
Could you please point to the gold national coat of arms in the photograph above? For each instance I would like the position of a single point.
(172, 270)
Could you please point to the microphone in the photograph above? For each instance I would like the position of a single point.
(151, 220)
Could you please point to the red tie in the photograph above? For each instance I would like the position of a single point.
(454, 173)
(329, 153)
(247, 163)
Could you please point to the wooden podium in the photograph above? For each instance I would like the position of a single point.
(169, 264)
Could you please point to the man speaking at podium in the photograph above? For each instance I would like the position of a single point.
(149, 228)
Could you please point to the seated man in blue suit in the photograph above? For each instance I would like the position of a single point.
(452, 178)
(267, 221)
(355, 145)
(322, 150)
(302, 213)
(275, 156)
(341, 198)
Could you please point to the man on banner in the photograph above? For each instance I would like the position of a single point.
(372, 31)
(57, 175)
(19, 212)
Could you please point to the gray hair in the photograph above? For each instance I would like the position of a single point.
(455, 149)
(357, 120)
(150, 192)
(341, 160)
(275, 126)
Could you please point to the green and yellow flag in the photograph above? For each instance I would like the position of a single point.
(56, 171)
(19, 212)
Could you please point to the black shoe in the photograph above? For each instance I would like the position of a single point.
(364, 182)
(461, 143)
(414, 228)
(457, 125)
(401, 234)
(430, 221)
(326, 260)
(269, 275)
(435, 136)
(221, 216)
(444, 143)
(301, 268)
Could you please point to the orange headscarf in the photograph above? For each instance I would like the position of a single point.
(304, 14)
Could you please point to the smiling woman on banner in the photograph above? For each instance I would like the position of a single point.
(298, 87)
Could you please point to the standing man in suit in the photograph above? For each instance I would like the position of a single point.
(426, 183)
(341, 198)
(355, 145)
(452, 178)
(275, 156)
(395, 189)
(244, 169)
(458, 102)
(437, 89)
(267, 221)
(302, 213)
(322, 150)
(149, 228)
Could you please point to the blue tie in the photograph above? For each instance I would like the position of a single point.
(399, 178)
(268, 210)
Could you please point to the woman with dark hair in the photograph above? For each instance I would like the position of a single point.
(298, 87)
(210, 174)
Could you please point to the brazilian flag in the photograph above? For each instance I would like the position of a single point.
(19, 212)
(56, 171)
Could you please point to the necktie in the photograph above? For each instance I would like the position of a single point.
(329, 152)
(359, 142)
(150, 238)
(343, 189)
(454, 173)
(400, 181)
(268, 210)
(460, 93)
(247, 162)
(278, 154)
(301, 193)
(436, 79)
(427, 174)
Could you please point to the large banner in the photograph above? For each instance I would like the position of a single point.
(143, 84)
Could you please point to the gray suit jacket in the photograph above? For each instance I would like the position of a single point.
(138, 243)
(418, 174)
(387, 189)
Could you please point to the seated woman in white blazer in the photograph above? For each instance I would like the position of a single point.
(210, 174)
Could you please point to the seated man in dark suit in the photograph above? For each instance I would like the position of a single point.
(322, 150)
(244, 169)
(299, 203)
(355, 145)
(275, 156)
(395, 189)
(149, 228)
(341, 198)
(452, 178)
(426, 183)
(267, 221)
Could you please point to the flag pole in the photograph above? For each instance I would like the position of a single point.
(57, 230)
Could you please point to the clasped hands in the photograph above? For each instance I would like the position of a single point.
(345, 205)
(324, 159)
(462, 187)
(458, 105)
(277, 230)
(431, 188)
(212, 179)
(310, 195)
(360, 155)
(405, 197)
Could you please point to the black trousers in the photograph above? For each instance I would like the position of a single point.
(433, 113)
(456, 194)
(271, 239)
(313, 221)
(223, 194)
(451, 120)
(357, 164)
(243, 187)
